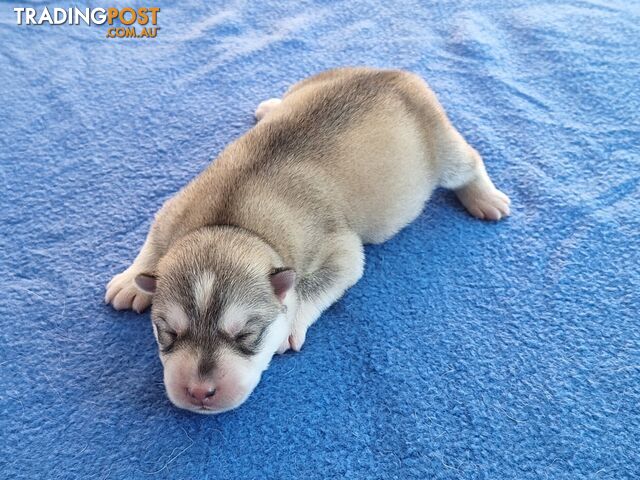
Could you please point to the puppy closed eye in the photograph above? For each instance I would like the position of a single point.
(246, 336)
(251, 331)
(166, 336)
(249, 340)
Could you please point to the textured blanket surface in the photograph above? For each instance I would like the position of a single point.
(468, 350)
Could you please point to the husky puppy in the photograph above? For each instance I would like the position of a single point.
(246, 257)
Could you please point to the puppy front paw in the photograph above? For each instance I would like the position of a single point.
(297, 338)
(305, 316)
(123, 293)
(284, 347)
(293, 342)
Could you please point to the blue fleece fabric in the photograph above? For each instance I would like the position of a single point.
(469, 350)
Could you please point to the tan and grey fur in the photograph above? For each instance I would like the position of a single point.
(273, 230)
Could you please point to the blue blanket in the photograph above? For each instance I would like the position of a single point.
(468, 350)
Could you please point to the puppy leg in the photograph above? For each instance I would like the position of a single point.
(266, 107)
(463, 171)
(341, 269)
(122, 291)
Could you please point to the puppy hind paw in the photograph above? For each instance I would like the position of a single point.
(266, 107)
(485, 204)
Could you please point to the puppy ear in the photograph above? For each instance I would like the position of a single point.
(282, 279)
(146, 283)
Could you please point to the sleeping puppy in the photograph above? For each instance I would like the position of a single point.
(247, 256)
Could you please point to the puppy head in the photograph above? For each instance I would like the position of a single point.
(219, 314)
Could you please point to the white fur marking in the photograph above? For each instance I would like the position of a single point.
(176, 318)
(203, 289)
(234, 318)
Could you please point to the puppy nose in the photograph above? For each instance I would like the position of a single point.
(200, 393)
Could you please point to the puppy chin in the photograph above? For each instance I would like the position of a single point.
(232, 390)
(208, 410)
(223, 402)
